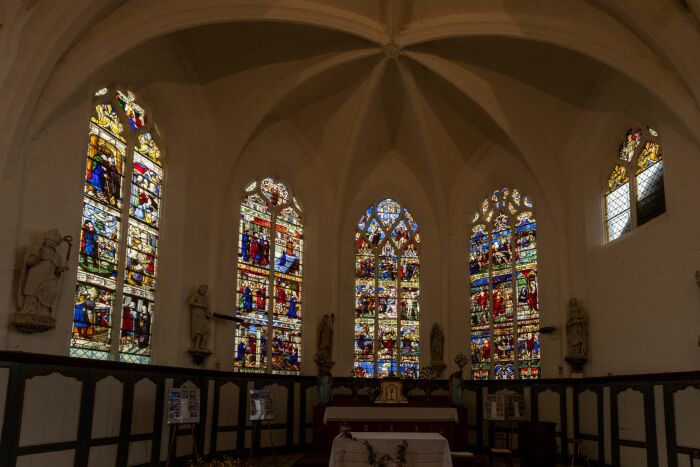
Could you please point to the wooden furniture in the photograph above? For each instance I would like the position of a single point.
(537, 446)
(575, 450)
(501, 447)
(462, 458)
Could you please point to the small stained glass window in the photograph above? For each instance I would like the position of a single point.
(634, 200)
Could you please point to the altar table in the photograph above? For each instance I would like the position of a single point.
(448, 421)
(424, 449)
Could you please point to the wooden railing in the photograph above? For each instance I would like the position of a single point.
(293, 427)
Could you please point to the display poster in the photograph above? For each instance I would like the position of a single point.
(494, 408)
(260, 404)
(516, 407)
(183, 405)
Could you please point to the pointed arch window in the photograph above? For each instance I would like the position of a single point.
(118, 251)
(387, 290)
(269, 280)
(635, 191)
(504, 303)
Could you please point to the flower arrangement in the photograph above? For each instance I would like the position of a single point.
(372, 458)
(226, 461)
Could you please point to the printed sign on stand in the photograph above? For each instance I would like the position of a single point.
(494, 408)
(261, 405)
(183, 405)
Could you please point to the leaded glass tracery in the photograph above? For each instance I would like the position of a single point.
(387, 291)
(269, 299)
(503, 296)
(639, 154)
(110, 270)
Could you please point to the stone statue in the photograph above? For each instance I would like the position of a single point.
(325, 336)
(437, 344)
(199, 320)
(38, 286)
(577, 331)
(577, 338)
(456, 388)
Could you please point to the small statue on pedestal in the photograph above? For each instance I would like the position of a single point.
(577, 338)
(323, 360)
(437, 343)
(456, 381)
(39, 281)
(199, 323)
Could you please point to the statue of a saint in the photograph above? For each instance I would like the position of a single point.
(456, 388)
(577, 331)
(437, 341)
(437, 344)
(42, 269)
(325, 336)
(199, 319)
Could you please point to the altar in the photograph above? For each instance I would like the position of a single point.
(421, 449)
(449, 422)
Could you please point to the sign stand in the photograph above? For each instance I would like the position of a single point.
(261, 408)
(183, 409)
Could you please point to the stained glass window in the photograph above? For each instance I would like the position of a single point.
(269, 280)
(503, 294)
(639, 154)
(387, 292)
(109, 270)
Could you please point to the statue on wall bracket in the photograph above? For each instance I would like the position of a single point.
(577, 338)
(323, 359)
(200, 315)
(39, 283)
(437, 345)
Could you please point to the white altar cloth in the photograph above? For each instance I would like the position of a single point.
(390, 413)
(424, 449)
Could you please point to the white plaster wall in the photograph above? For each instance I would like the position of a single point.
(636, 290)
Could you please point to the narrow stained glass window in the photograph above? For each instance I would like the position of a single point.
(639, 154)
(503, 295)
(269, 280)
(387, 290)
(109, 270)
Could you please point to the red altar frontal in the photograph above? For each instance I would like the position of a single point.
(451, 422)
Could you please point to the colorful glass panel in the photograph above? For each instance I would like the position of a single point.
(269, 299)
(105, 216)
(387, 292)
(645, 190)
(503, 293)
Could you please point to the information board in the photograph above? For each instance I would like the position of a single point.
(516, 407)
(494, 408)
(183, 405)
(260, 404)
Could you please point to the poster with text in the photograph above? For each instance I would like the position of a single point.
(183, 405)
(260, 404)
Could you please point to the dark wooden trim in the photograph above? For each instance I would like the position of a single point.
(87, 407)
(158, 421)
(215, 417)
(125, 425)
(614, 427)
(14, 402)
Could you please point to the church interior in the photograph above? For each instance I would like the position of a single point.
(350, 232)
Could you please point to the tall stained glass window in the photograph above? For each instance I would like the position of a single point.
(122, 147)
(269, 280)
(635, 191)
(503, 295)
(387, 289)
